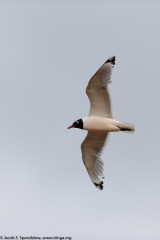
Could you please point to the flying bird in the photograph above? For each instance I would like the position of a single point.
(99, 123)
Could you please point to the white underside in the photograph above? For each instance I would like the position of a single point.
(100, 124)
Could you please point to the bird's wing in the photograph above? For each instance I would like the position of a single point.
(97, 90)
(91, 148)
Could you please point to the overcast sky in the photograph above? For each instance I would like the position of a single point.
(48, 52)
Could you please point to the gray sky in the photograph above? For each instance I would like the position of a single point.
(48, 52)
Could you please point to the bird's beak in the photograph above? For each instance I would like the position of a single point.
(70, 127)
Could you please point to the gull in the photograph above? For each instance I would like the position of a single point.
(99, 123)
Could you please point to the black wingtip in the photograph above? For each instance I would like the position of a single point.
(111, 60)
(99, 185)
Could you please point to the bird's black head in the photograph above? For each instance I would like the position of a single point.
(77, 124)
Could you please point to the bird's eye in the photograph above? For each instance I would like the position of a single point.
(77, 122)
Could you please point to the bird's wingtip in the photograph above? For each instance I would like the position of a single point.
(99, 185)
(111, 60)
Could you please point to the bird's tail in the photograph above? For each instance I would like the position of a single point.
(126, 127)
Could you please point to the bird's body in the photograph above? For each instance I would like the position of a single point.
(102, 124)
(99, 122)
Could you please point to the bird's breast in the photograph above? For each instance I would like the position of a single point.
(99, 124)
